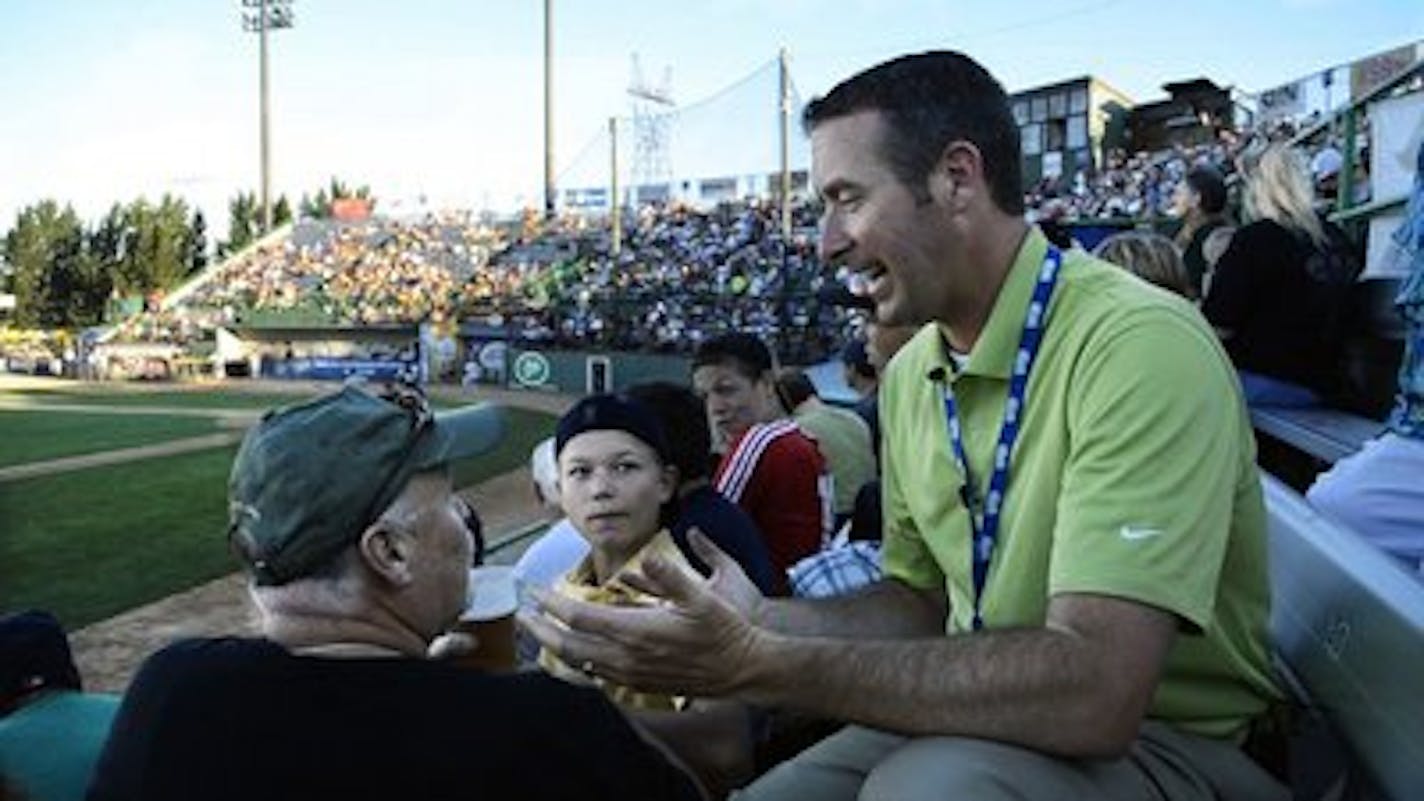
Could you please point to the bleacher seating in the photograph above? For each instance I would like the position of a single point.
(1327, 435)
(1347, 626)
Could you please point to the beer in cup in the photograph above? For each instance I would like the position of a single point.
(489, 616)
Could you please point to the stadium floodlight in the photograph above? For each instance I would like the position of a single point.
(549, 189)
(265, 15)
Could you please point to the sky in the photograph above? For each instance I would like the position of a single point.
(105, 101)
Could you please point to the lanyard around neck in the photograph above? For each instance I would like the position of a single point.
(984, 519)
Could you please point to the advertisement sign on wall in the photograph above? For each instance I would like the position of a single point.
(532, 369)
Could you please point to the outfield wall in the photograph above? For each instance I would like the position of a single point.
(583, 372)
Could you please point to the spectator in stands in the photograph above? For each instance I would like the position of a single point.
(557, 550)
(862, 377)
(1136, 185)
(770, 467)
(840, 435)
(1325, 171)
(50, 731)
(1212, 250)
(618, 485)
(343, 515)
(858, 370)
(698, 505)
(1200, 202)
(560, 547)
(1151, 257)
(850, 560)
(881, 344)
(1114, 644)
(1378, 491)
(1279, 295)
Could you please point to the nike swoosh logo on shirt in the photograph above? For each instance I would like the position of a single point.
(1132, 533)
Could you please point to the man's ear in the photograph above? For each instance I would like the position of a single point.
(387, 552)
(958, 176)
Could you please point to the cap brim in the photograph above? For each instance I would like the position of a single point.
(466, 432)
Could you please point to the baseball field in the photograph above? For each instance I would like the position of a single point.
(113, 499)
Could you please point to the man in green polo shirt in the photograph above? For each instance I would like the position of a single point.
(1075, 600)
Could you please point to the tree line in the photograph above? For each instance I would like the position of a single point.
(64, 273)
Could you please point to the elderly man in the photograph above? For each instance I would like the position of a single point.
(343, 515)
(1075, 599)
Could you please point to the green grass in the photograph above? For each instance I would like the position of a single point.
(92, 543)
(32, 435)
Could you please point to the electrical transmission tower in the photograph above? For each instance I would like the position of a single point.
(652, 129)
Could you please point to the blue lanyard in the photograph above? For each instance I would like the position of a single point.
(984, 520)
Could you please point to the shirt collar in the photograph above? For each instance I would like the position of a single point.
(998, 344)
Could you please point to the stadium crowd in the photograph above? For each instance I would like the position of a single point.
(378, 272)
(1131, 185)
(682, 275)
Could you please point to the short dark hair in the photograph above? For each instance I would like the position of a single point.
(684, 421)
(34, 656)
(743, 352)
(857, 358)
(793, 388)
(1207, 182)
(929, 100)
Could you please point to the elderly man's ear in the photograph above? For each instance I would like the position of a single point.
(388, 551)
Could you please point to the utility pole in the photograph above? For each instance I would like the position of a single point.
(785, 148)
(549, 109)
(270, 14)
(615, 206)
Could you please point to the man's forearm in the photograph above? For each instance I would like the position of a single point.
(1041, 688)
(887, 609)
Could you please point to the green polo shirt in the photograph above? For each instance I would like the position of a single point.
(1133, 477)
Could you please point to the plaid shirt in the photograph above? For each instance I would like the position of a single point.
(836, 571)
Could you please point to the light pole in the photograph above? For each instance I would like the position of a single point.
(265, 15)
(785, 118)
(549, 109)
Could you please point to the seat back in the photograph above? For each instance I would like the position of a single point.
(1347, 624)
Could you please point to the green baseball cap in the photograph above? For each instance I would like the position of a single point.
(310, 478)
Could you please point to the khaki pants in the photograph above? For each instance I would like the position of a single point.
(860, 764)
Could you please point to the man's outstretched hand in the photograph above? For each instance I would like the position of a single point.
(697, 640)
